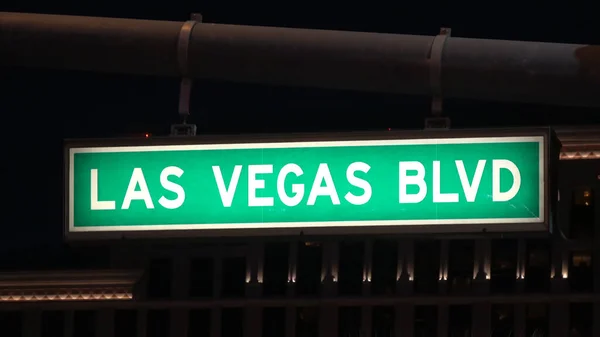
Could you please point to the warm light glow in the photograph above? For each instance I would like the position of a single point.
(147, 135)
(443, 273)
(580, 259)
(260, 276)
(366, 274)
(65, 295)
(579, 155)
(292, 274)
(410, 278)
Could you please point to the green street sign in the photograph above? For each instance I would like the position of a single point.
(379, 183)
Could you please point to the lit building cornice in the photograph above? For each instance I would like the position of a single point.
(98, 285)
(580, 142)
(578, 155)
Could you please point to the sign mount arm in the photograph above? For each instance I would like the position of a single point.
(183, 45)
(435, 81)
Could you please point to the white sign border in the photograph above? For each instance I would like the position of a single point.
(300, 225)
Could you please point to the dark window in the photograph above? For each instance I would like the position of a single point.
(426, 321)
(273, 322)
(536, 323)
(581, 272)
(537, 273)
(11, 323)
(502, 320)
(125, 323)
(349, 321)
(53, 324)
(459, 320)
(307, 322)
(385, 267)
(504, 266)
(427, 266)
(351, 267)
(232, 322)
(308, 272)
(202, 272)
(275, 271)
(582, 213)
(582, 320)
(461, 260)
(383, 322)
(199, 323)
(84, 323)
(159, 278)
(158, 323)
(234, 277)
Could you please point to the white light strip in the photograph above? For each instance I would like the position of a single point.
(576, 155)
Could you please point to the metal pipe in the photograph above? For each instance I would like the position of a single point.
(517, 71)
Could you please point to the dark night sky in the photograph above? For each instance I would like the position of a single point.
(41, 108)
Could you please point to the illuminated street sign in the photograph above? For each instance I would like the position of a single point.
(390, 182)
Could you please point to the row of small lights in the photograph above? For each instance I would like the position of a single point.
(442, 278)
(125, 295)
(65, 295)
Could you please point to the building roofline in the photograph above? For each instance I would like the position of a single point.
(71, 278)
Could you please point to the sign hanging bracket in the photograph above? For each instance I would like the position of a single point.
(183, 44)
(435, 80)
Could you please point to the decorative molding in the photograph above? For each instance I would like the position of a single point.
(98, 285)
(32, 295)
(579, 155)
(579, 143)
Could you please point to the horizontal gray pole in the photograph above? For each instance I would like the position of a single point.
(497, 70)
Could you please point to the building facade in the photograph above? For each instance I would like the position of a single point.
(348, 286)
